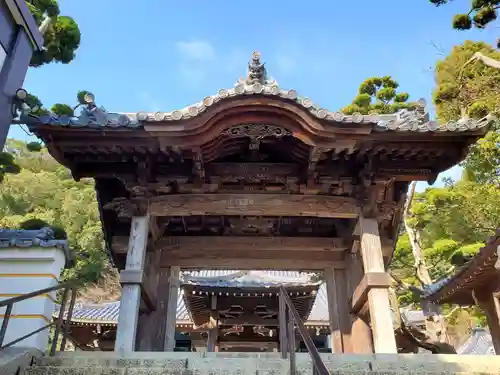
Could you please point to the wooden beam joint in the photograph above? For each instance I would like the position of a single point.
(370, 281)
(138, 277)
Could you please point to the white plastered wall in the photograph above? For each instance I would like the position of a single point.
(25, 270)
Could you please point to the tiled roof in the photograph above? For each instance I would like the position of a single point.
(319, 311)
(248, 279)
(485, 260)
(108, 313)
(43, 238)
(480, 343)
(259, 84)
(402, 121)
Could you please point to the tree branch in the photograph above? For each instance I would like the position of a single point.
(422, 340)
(412, 288)
(421, 272)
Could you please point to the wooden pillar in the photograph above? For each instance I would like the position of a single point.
(334, 320)
(361, 334)
(283, 326)
(378, 297)
(173, 295)
(343, 310)
(131, 292)
(338, 307)
(488, 302)
(163, 292)
(148, 322)
(213, 333)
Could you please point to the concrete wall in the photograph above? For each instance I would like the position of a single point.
(25, 270)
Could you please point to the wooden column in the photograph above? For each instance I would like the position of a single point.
(163, 293)
(490, 306)
(173, 294)
(334, 319)
(378, 297)
(213, 333)
(131, 292)
(338, 307)
(361, 334)
(148, 322)
(283, 326)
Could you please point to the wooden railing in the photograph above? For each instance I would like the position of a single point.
(58, 323)
(289, 314)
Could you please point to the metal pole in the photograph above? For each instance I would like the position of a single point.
(60, 318)
(68, 319)
(5, 322)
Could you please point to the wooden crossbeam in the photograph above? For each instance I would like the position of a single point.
(250, 263)
(189, 244)
(253, 205)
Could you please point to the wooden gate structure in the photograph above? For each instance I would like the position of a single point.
(253, 177)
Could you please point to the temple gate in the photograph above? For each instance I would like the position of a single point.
(254, 177)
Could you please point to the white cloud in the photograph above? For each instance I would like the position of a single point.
(193, 74)
(196, 50)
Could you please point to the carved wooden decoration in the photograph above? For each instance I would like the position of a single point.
(254, 205)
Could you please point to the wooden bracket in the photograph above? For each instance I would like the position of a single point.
(370, 280)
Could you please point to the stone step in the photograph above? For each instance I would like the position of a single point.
(50, 370)
(142, 363)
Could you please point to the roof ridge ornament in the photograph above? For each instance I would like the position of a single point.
(256, 73)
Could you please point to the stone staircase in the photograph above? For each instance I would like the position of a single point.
(143, 363)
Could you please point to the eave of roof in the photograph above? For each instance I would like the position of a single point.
(256, 83)
(249, 279)
(402, 121)
(486, 260)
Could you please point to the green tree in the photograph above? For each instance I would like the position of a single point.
(452, 223)
(470, 86)
(464, 211)
(61, 40)
(61, 33)
(480, 14)
(464, 86)
(379, 95)
(43, 190)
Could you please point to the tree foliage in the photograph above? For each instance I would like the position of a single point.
(379, 95)
(472, 88)
(480, 14)
(466, 88)
(453, 223)
(61, 37)
(44, 192)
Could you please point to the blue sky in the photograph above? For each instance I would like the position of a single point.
(160, 55)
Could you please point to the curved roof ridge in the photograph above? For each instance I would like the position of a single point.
(257, 82)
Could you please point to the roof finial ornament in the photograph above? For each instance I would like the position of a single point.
(256, 70)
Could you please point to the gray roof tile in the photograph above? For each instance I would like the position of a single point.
(480, 343)
(42, 238)
(257, 82)
(108, 312)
